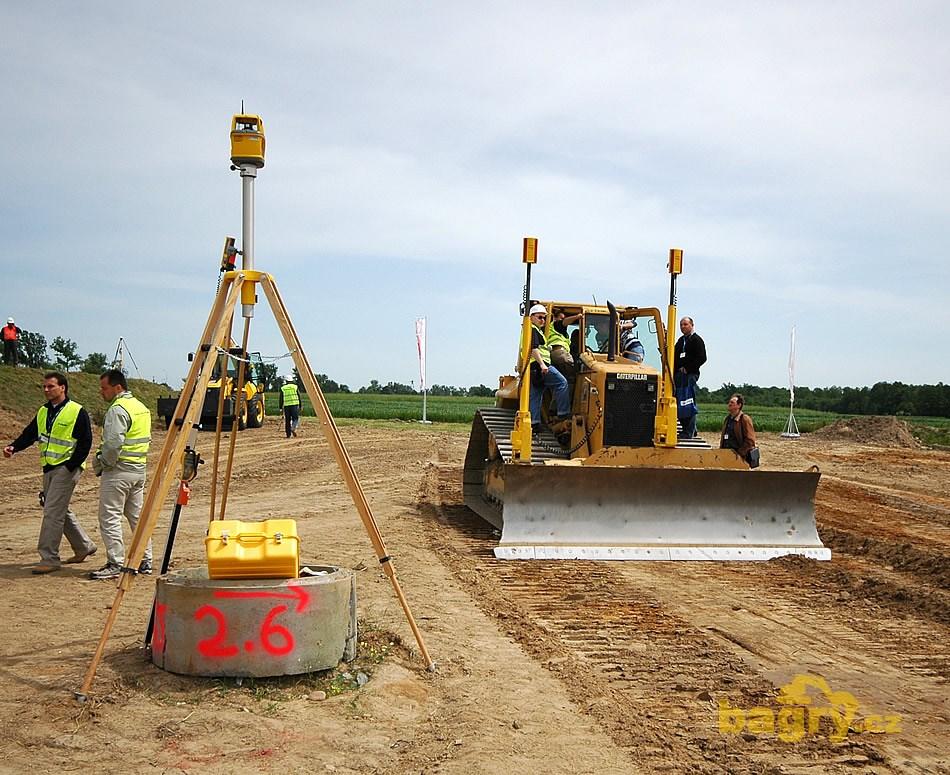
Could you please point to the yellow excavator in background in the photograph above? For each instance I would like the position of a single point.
(614, 481)
(255, 382)
(252, 407)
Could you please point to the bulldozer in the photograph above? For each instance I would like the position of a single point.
(252, 406)
(613, 480)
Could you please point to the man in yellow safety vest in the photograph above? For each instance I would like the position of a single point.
(559, 341)
(290, 403)
(63, 430)
(542, 373)
(120, 462)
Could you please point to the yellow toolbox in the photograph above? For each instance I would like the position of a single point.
(253, 550)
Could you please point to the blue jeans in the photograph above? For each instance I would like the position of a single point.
(688, 422)
(291, 418)
(558, 384)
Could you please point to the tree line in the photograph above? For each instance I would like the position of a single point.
(375, 387)
(887, 398)
(398, 388)
(34, 352)
(882, 398)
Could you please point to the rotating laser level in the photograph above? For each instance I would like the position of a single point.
(247, 140)
(247, 155)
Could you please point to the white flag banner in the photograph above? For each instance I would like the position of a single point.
(791, 367)
(421, 346)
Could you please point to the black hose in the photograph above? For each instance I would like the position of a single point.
(612, 333)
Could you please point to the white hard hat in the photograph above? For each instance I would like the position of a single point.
(289, 378)
(10, 321)
(538, 308)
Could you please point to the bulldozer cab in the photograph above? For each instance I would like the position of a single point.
(642, 332)
(591, 333)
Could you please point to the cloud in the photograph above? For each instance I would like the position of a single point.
(795, 152)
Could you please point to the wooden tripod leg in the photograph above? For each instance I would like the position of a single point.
(222, 370)
(343, 460)
(189, 405)
(238, 406)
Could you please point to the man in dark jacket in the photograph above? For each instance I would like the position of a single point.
(738, 431)
(688, 356)
(64, 433)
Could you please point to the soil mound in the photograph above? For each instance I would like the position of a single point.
(888, 431)
(10, 426)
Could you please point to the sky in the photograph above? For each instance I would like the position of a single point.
(796, 152)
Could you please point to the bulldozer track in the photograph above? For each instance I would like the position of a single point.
(648, 674)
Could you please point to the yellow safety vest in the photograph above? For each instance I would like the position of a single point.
(556, 338)
(56, 447)
(139, 435)
(291, 396)
(543, 347)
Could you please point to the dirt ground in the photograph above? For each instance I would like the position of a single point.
(572, 667)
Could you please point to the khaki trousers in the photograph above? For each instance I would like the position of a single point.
(58, 518)
(121, 493)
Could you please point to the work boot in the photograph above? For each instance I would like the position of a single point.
(42, 570)
(536, 429)
(110, 570)
(81, 557)
(145, 568)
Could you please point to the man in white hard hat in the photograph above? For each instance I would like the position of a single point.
(11, 342)
(290, 403)
(543, 374)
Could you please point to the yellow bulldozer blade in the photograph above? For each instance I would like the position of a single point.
(586, 512)
(549, 510)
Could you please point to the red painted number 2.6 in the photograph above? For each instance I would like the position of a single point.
(274, 638)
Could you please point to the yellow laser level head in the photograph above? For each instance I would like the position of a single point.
(530, 252)
(676, 261)
(247, 140)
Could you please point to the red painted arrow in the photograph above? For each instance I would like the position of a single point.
(296, 592)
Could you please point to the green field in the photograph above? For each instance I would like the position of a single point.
(375, 406)
(20, 393)
(445, 409)
(461, 410)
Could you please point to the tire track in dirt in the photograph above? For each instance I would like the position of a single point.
(905, 531)
(902, 472)
(650, 677)
(791, 616)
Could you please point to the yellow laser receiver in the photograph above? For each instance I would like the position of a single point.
(247, 140)
(529, 254)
